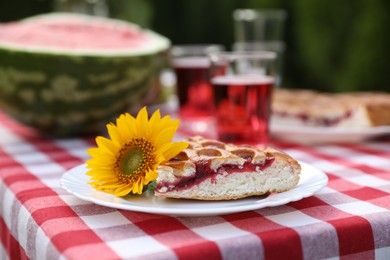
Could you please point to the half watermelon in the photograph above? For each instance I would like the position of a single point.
(69, 74)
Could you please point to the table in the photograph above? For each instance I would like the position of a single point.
(350, 218)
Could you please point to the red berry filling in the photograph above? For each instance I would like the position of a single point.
(204, 171)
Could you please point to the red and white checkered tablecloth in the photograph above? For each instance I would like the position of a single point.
(350, 218)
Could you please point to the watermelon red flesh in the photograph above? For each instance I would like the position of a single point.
(67, 91)
(77, 34)
(56, 35)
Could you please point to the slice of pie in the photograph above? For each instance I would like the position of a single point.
(301, 107)
(212, 170)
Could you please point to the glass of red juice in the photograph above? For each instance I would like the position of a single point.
(242, 84)
(192, 67)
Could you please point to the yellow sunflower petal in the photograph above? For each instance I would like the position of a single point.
(111, 185)
(166, 122)
(106, 145)
(141, 122)
(164, 136)
(138, 187)
(153, 124)
(115, 135)
(123, 190)
(160, 159)
(107, 178)
(150, 176)
(130, 123)
(161, 130)
(99, 174)
(170, 150)
(99, 164)
(123, 127)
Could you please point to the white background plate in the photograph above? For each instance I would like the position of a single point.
(75, 181)
(315, 135)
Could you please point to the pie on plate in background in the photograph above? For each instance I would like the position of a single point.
(311, 116)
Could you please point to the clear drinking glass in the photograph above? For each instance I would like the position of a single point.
(274, 46)
(261, 30)
(242, 86)
(191, 66)
(259, 25)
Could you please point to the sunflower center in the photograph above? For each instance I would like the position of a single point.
(131, 161)
(134, 159)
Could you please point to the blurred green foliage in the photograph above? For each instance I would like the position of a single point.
(332, 45)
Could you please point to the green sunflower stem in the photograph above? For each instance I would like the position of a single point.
(151, 186)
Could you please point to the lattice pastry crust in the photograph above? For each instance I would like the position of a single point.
(212, 170)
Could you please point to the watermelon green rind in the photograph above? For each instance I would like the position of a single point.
(66, 93)
(74, 104)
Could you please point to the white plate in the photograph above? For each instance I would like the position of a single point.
(75, 181)
(313, 135)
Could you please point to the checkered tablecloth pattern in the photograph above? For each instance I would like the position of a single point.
(350, 218)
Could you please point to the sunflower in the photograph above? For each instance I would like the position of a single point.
(128, 161)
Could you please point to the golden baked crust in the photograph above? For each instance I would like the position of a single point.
(308, 107)
(233, 171)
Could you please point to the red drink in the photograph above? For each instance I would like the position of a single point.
(194, 90)
(242, 107)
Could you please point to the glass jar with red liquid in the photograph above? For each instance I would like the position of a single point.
(242, 84)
